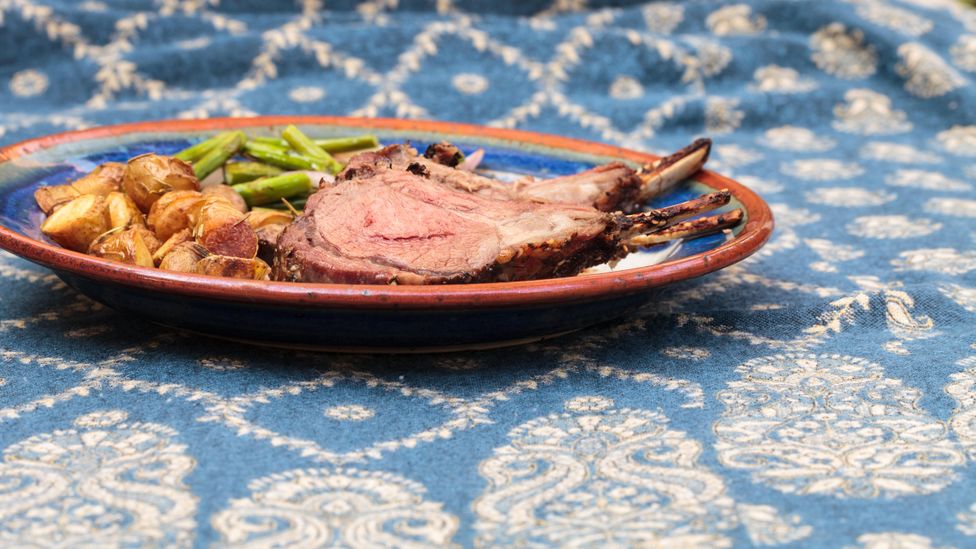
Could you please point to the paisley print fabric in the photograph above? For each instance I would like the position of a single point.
(321, 508)
(820, 394)
(102, 483)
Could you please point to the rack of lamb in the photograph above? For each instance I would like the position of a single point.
(396, 217)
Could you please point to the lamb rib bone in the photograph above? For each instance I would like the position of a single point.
(610, 187)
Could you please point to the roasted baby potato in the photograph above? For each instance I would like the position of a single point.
(149, 237)
(171, 242)
(233, 267)
(51, 197)
(149, 176)
(261, 217)
(184, 257)
(122, 211)
(104, 179)
(223, 230)
(76, 224)
(173, 212)
(227, 193)
(125, 245)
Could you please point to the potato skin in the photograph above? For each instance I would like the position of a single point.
(224, 231)
(124, 245)
(122, 211)
(149, 176)
(104, 179)
(78, 223)
(173, 212)
(233, 267)
(51, 197)
(184, 257)
(227, 193)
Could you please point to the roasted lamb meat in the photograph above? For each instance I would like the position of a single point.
(409, 227)
(610, 187)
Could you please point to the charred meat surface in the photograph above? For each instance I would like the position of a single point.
(445, 153)
(397, 227)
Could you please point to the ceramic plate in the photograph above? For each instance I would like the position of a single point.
(351, 317)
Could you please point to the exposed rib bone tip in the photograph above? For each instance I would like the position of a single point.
(689, 229)
(670, 170)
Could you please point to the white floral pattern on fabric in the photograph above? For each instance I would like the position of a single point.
(470, 83)
(963, 296)
(848, 197)
(958, 140)
(832, 425)
(966, 521)
(774, 78)
(626, 87)
(821, 169)
(733, 156)
(687, 353)
(601, 476)
(222, 364)
(306, 94)
(955, 207)
(722, 115)
(866, 112)
(735, 19)
(893, 540)
(898, 153)
(89, 331)
(663, 17)
(342, 508)
(963, 52)
(831, 253)
(886, 15)
(962, 389)
(793, 138)
(926, 74)
(105, 483)
(761, 186)
(940, 260)
(892, 226)
(925, 179)
(349, 412)
(28, 83)
(101, 419)
(842, 53)
(589, 404)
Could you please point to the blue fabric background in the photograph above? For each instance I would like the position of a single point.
(820, 394)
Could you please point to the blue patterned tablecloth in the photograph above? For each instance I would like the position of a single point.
(823, 393)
